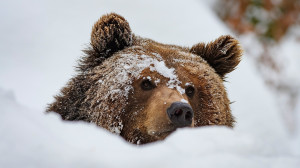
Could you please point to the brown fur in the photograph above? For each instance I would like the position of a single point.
(223, 54)
(107, 90)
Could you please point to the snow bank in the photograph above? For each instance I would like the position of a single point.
(33, 139)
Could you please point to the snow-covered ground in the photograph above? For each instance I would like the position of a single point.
(40, 43)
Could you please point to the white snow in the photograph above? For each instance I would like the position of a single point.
(157, 81)
(161, 68)
(188, 84)
(134, 64)
(30, 138)
(39, 50)
(184, 101)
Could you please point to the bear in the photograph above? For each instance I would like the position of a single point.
(144, 90)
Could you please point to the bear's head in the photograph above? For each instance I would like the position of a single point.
(145, 90)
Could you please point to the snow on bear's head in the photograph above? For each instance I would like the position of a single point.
(145, 90)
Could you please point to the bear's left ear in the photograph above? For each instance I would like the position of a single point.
(111, 33)
(223, 54)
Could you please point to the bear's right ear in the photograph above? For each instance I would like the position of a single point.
(223, 54)
(111, 33)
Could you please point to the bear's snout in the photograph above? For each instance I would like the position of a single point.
(181, 114)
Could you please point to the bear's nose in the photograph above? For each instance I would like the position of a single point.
(181, 114)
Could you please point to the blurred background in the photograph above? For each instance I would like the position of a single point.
(41, 42)
(270, 32)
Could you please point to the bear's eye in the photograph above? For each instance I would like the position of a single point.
(147, 85)
(190, 91)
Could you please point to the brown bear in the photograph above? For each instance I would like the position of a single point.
(144, 90)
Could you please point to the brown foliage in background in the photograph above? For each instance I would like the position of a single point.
(269, 19)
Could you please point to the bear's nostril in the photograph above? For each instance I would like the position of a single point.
(188, 115)
(178, 112)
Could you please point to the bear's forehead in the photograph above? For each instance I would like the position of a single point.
(122, 69)
(163, 59)
(137, 60)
